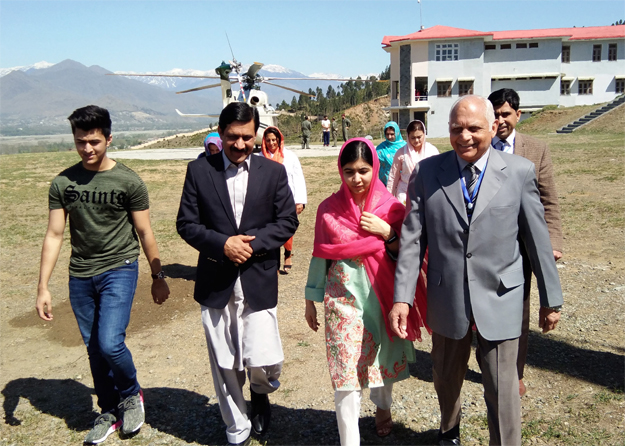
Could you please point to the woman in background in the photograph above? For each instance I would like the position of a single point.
(407, 158)
(386, 149)
(273, 148)
(212, 144)
(352, 272)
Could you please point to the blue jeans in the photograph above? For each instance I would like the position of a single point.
(102, 306)
(326, 138)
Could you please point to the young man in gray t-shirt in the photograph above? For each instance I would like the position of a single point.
(108, 209)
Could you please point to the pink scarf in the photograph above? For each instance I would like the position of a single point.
(338, 236)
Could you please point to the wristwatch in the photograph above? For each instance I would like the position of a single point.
(391, 239)
(556, 308)
(160, 275)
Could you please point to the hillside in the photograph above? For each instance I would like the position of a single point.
(550, 120)
(38, 101)
(613, 121)
(369, 119)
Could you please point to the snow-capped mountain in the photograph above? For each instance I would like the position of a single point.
(268, 71)
(37, 66)
(178, 83)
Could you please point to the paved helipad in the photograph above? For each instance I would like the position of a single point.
(192, 153)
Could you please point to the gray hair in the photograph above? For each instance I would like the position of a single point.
(489, 112)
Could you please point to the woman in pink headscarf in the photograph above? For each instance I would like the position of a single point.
(406, 159)
(352, 272)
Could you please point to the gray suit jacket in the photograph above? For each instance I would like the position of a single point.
(475, 269)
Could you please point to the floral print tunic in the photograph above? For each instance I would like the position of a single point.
(359, 351)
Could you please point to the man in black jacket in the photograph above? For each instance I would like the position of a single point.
(237, 210)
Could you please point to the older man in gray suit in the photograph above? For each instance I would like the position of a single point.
(472, 207)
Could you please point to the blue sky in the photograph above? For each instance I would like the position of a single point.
(310, 36)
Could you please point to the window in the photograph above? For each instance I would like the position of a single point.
(505, 46)
(566, 54)
(521, 45)
(490, 46)
(612, 52)
(565, 88)
(465, 87)
(395, 116)
(584, 87)
(446, 51)
(420, 88)
(596, 53)
(534, 45)
(444, 89)
(395, 92)
(620, 86)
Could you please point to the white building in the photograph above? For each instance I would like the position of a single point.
(564, 66)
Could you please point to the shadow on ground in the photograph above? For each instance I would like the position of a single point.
(179, 271)
(548, 353)
(598, 367)
(191, 417)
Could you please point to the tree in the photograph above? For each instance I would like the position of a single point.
(619, 22)
(385, 75)
(330, 94)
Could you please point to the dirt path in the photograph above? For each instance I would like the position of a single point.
(574, 376)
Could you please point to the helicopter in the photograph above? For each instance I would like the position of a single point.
(232, 72)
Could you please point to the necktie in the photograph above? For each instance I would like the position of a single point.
(471, 181)
(501, 145)
(473, 176)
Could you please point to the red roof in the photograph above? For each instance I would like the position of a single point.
(435, 32)
(447, 32)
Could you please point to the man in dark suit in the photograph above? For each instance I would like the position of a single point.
(237, 210)
(470, 207)
(506, 105)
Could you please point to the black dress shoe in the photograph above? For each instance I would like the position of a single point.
(450, 442)
(450, 438)
(261, 413)
(246, 442)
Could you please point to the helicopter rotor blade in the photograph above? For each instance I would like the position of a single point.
(161, 75)
(231, 52)
(290, 89)
(194, 115)
(323, 79)
(253, 69)
(199, 88)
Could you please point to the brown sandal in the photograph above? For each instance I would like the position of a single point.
(384, 428)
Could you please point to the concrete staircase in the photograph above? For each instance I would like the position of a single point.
(569, 128)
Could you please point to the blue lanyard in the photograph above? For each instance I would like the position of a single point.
(469, 199)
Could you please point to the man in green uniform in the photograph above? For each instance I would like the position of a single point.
(306, 128)
(335, 131)
(108, 209)
(346, 123)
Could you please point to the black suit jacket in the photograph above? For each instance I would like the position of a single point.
(206, 220)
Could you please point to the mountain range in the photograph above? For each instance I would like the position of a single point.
(37, 99)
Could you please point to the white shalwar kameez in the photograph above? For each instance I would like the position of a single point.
(239, 337)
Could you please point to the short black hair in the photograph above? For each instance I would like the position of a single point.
(500, 97)
(273, 131)
(238, 111)
(354, 151)
(89, 118)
